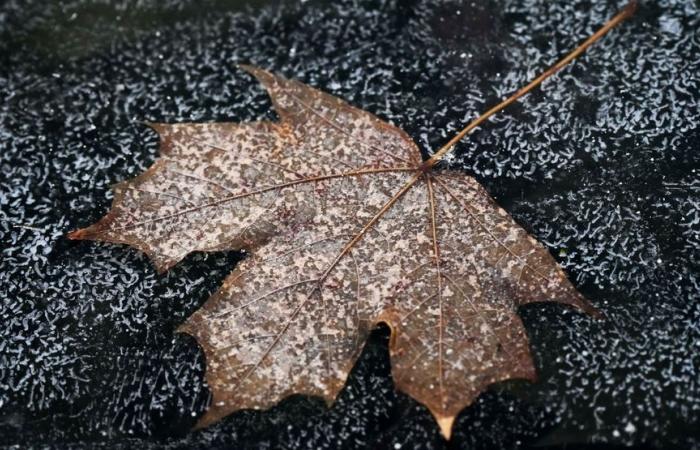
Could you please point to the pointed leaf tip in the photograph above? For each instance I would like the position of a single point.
(76, 235)
(261, 74)
(155, 126)
(445, 425)
(88, 233)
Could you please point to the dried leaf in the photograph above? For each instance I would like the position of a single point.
(347, 227)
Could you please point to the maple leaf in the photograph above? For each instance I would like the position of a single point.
(347, 227)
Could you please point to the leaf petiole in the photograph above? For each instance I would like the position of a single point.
(626, 12)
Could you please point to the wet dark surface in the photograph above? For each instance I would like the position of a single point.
(601, 165)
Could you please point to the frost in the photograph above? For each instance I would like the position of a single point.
(581, 145)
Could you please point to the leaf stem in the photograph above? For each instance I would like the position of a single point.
(619, 17)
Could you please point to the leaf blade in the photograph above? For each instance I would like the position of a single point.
(342, 238)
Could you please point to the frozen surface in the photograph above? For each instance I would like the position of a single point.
(601, 165)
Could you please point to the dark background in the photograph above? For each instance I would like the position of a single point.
(600, 164)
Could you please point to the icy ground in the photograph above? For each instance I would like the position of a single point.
(601, 165)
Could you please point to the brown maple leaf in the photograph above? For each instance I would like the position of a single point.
(347, 227)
